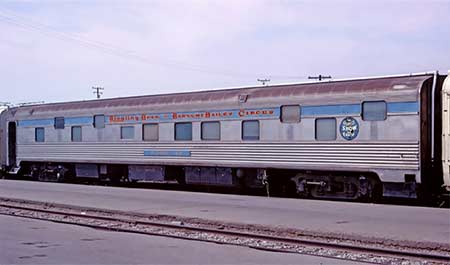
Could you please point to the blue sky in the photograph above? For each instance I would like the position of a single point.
(57, 50)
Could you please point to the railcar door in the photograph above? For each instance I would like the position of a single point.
(12, 143)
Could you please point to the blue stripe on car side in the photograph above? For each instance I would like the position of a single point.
(79, 120)
(50, 122)
(348, 109)
(341, 109)
(399, 107)
(40, 122)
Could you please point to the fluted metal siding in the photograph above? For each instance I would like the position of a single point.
(386, 155)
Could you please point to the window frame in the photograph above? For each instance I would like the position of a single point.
(36, 134)
(56, 123)
(242, 131)
(299, 113)
(175, 131)
(121, 132)
(94, 124)
(72, 134)
(157, 132)
(374, 101)
(335, 128)
(210, 122)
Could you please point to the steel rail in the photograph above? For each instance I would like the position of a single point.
(314, 243)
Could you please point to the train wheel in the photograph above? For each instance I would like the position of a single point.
(327, 186)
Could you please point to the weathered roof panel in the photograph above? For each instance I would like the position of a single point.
(408, 84)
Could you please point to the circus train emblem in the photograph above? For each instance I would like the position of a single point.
(349, 128)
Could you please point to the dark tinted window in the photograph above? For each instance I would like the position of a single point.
(39, 134)
(326, 129)
(250, 130)
(150, 132)
(374, 110)
(290, 113)
(211, 130)
(127, 132)
(76, 134)
(99, 121)
(59, 123)
(183, 131)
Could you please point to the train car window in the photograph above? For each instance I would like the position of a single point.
(183, 131)
(250, 130)
(325, 129)
(76, 134)
(59, 123)
(150, 132)
(374, 110)
(211, 130)
(39, 134)
(99, 121)
(127, 132)
(290, 113)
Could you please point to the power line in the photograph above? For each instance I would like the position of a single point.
(20, 21)
(21, 104)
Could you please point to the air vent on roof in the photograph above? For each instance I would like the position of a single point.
(243, 98)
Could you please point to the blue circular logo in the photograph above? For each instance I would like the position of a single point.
(349, 128)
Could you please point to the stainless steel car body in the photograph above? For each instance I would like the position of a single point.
(391, 148)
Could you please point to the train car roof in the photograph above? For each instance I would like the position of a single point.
(397, 84)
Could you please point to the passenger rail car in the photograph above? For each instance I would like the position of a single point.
(347, 139)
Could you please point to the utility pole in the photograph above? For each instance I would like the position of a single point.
(98, 91)
(263, 81)
(320, 77)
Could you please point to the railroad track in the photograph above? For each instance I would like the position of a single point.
(191, 230)
(443, 202)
